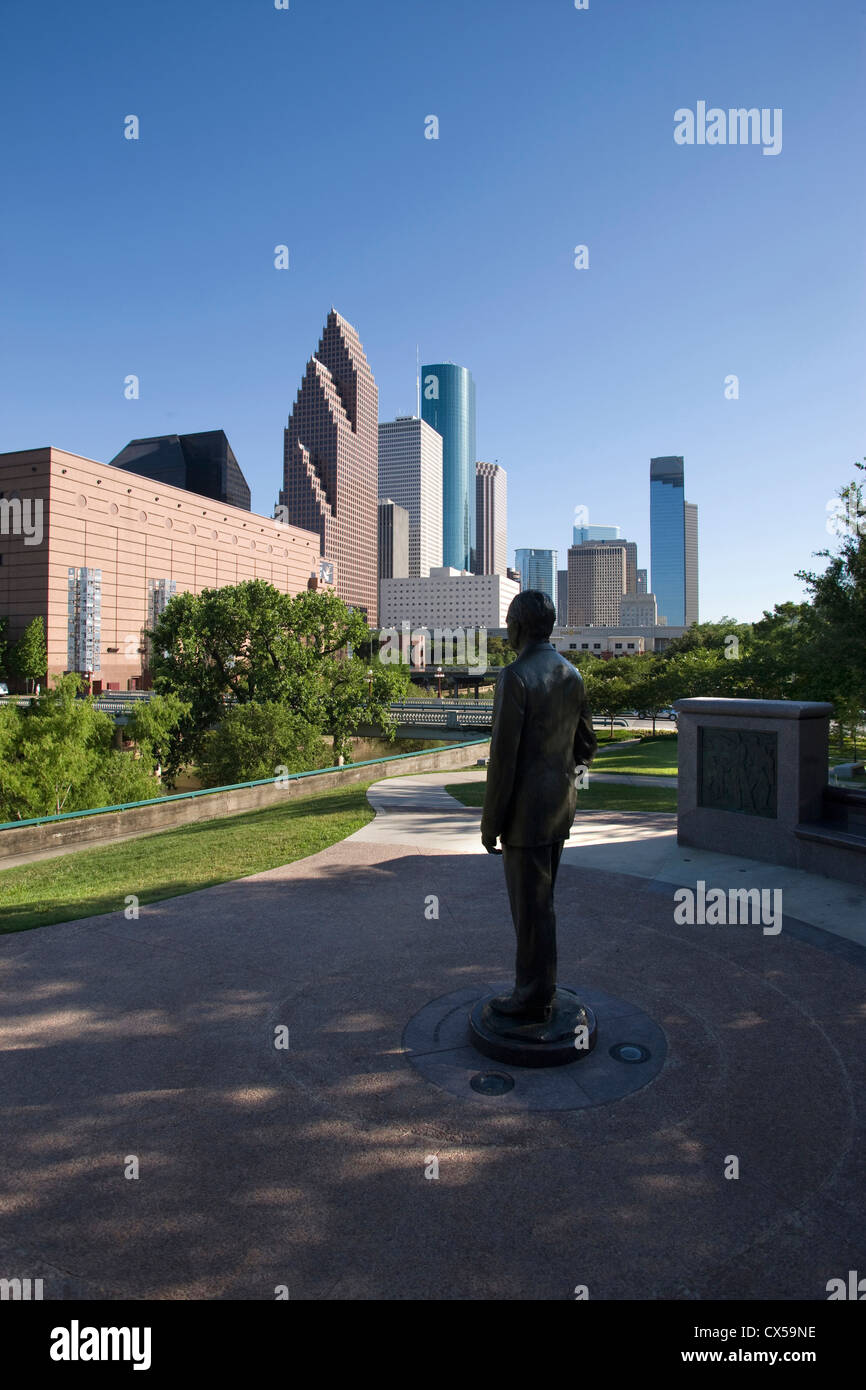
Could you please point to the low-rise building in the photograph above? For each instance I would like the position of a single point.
(447, 598)
(113, 547)
(599, 639)
(574, 641)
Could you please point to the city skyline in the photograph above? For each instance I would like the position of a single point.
(740, 277)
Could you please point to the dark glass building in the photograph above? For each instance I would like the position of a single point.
(668, 538)
(448, 405)
(538, 570)
(202, 463)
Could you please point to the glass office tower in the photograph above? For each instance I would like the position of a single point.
(538, 570)
(668, 538)
(581, 534)
(448, 406)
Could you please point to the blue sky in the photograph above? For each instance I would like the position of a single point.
(306, 127)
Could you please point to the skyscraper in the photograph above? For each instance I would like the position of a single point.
(410, 472)
(691, 525)
(537, 570)
(331, 461)
(630, 548)
(448, 405)
(491, 521)
(579, 534)
(202, 463)
(596, 583)
(673, 533)
(393, 540)
(562, 598)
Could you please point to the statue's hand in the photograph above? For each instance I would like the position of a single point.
(490, 844)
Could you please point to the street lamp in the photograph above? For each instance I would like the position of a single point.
(439, 675)
(370, 680)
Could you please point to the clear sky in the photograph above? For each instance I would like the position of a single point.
(306, 127)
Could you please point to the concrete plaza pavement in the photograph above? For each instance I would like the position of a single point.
(151, 1043)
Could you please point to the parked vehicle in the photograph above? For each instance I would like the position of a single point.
(4, 689)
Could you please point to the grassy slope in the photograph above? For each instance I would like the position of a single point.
(655, 757)
(174, 862)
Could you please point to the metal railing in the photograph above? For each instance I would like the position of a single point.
(445, 714)
(234, 787)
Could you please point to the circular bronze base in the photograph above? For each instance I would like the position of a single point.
(566, 1036)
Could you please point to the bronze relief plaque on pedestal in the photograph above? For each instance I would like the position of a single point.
(738, 771)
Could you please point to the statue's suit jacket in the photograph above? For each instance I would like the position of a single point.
(542, 730)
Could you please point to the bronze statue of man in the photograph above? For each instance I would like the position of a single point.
(542, 735)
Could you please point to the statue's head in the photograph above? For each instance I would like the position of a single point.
(530, 618)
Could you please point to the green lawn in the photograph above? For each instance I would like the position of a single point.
(174, 862)
(652, 756)
(598, 796)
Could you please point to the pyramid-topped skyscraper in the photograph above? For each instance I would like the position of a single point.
(331, 461)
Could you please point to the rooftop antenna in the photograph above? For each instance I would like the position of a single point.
(418, 379)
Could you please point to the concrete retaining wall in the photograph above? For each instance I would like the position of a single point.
(168, 815)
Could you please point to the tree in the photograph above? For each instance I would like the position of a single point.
(500, 651)
(29, 656)
(251, 644)
(608, 688)
(242, 644)
(838, 632)
(155, 726)
(4, 646)
(653, 687)
(59, 756)
(779, 661)
(715, 636)
(349, 697)
(14, 786)
(253, 741)
(702, 671)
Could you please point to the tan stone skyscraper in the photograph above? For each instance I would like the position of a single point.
(331, 462)
(491, 526)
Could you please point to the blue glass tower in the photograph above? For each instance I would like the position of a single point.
(580, 534)
(537, 570)
(448, 405)
(668, 538)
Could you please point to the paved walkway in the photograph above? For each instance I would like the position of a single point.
(641, 844)
(150, 1046)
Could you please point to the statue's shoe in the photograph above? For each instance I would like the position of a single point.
(509, 1006)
